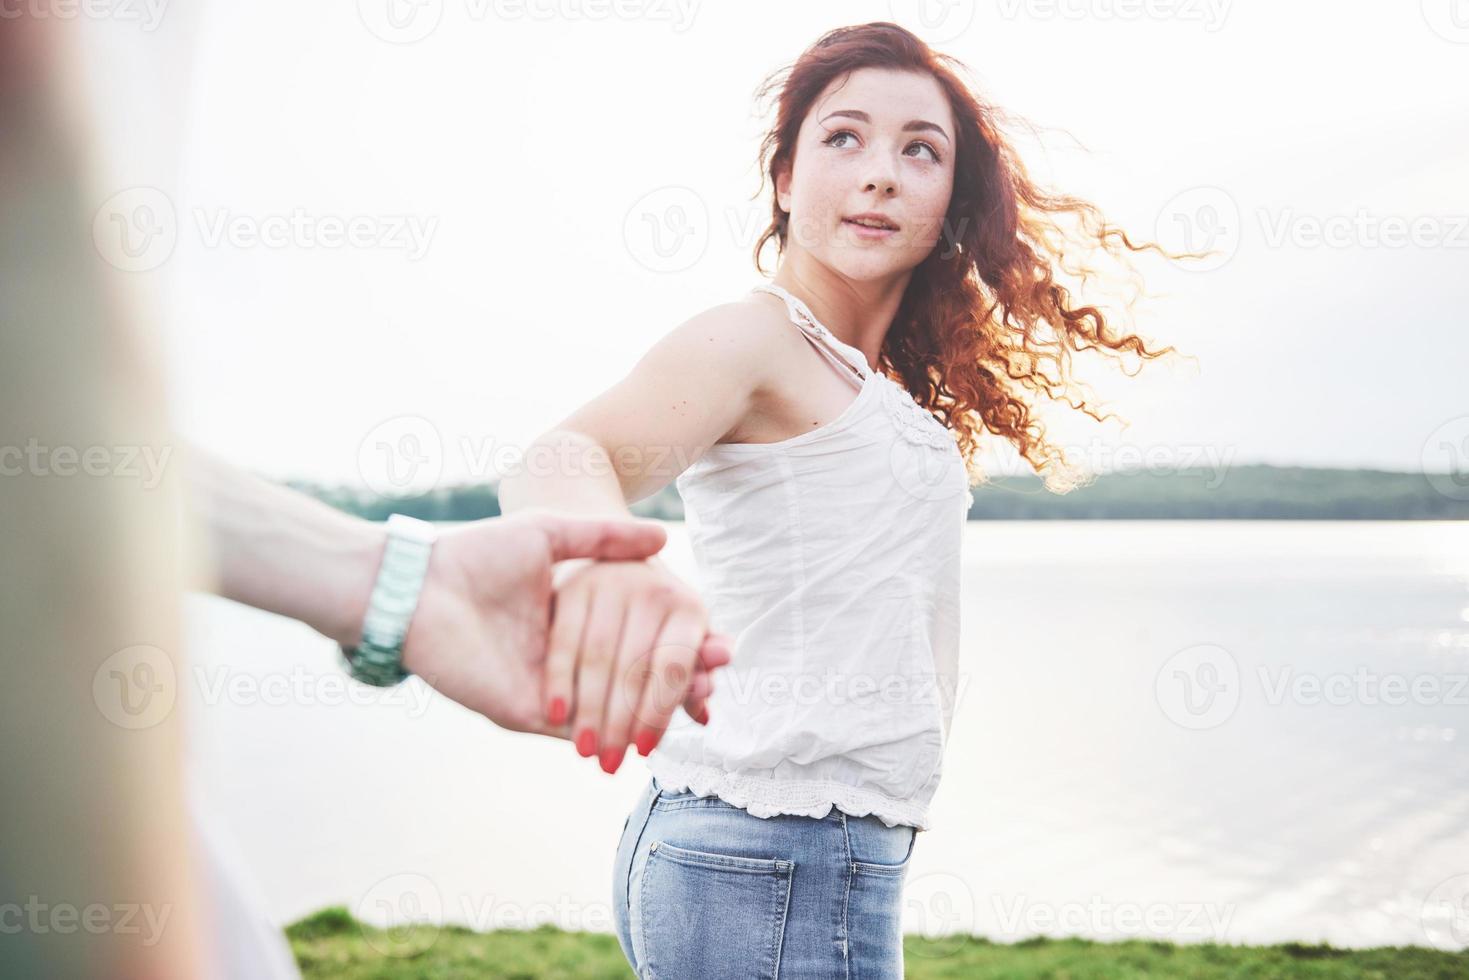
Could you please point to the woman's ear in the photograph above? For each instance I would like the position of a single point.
(783, 189)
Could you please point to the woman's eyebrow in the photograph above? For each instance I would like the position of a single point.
(912, 125)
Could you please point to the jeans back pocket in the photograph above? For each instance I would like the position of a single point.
(713, 916)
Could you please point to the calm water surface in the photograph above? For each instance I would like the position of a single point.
(1227, 731)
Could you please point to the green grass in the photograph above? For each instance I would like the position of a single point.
(331, 944)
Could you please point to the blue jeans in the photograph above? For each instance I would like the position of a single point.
(702, 890)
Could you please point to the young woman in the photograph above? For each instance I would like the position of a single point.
(825, 502)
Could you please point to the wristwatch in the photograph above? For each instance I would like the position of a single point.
(378, 658)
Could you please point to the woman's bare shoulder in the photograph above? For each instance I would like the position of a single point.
(746, 332)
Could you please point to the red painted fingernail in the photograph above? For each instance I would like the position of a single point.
(558, 710)
(586, 743)
(704, 715)
(611, 759)
(647, 738)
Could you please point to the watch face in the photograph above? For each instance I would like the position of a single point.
(371, 666)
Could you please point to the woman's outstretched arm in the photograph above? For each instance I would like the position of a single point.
(693, 387)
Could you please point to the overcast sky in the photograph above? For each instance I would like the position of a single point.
(536, 191)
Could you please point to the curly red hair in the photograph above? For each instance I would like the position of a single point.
(983, 321)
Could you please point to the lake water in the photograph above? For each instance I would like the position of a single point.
(1228, 731)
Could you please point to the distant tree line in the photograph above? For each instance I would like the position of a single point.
(1247, 492)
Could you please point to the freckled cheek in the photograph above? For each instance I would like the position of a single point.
(925, 231)
(928, 202)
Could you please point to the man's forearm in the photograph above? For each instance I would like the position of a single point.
(282, 551)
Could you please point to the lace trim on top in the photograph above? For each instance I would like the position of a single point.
(762, 797)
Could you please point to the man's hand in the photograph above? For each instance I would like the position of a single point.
(479, 634)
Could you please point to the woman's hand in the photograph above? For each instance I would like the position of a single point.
(479, 635)
(625, 641)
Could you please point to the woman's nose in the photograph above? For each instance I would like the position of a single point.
(883, 179)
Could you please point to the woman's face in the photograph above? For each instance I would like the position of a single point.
(877, 141)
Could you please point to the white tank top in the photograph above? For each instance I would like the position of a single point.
(832, 558)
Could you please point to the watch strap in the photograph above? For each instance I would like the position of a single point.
(378, 658)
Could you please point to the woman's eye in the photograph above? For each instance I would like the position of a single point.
(832, 141)
(934, 153)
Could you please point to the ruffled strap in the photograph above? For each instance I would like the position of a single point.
(802, 316)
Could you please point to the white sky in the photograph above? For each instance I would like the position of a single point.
(526, 143)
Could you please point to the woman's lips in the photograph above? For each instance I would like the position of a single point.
(867, 233)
